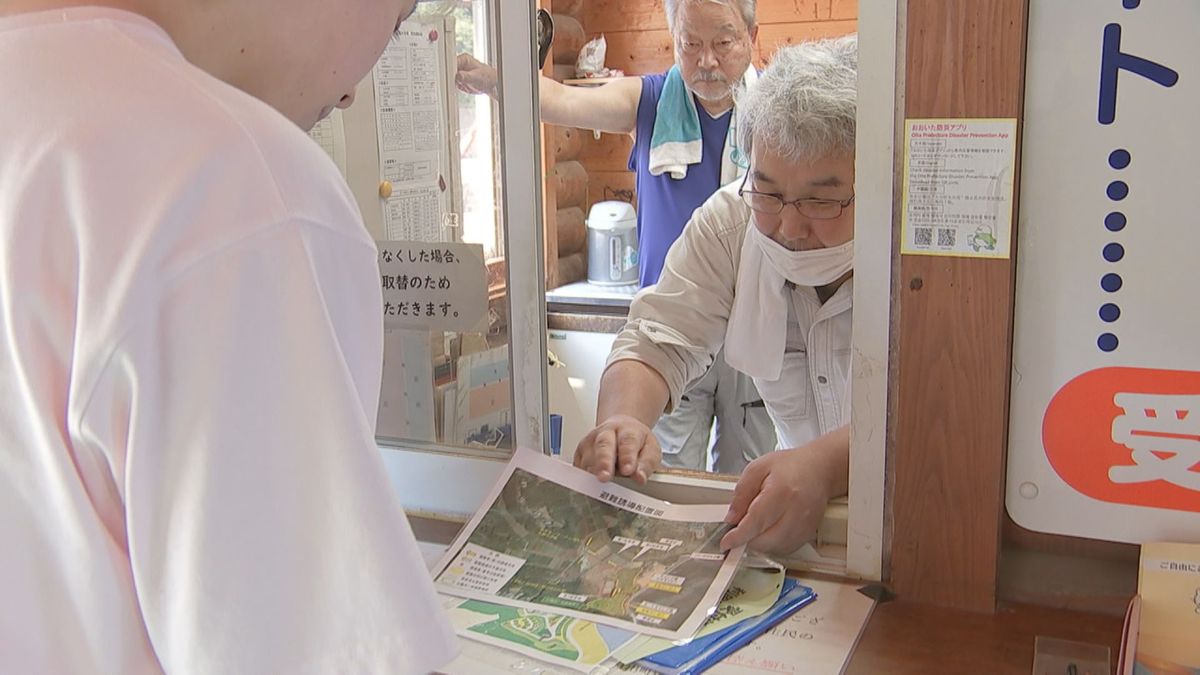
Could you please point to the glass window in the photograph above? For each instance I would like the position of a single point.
(477, 125)
(424, 162)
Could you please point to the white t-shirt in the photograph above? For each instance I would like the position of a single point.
(190, 353)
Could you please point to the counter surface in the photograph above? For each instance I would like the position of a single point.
(591, 298)
(907, 639)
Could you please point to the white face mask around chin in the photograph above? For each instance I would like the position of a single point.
(757, 328)
(816, 267)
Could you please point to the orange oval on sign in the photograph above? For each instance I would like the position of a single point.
(1128, 436)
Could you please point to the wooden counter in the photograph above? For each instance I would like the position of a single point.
(908, 639)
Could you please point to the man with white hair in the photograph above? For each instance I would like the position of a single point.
(684, 125)
(764, 268)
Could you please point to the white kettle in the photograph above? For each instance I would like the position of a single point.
(612, 244)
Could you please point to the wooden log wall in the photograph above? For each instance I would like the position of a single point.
(549, 202)
(639, 44)
(568, 38)
(566, 182)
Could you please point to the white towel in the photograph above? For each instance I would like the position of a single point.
(675, 142)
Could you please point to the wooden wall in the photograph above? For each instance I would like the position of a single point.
(964, 58)
(639, 44)
(952, 543)
(564, 195)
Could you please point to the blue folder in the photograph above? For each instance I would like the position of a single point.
(704, 652)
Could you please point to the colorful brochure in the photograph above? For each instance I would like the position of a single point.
(553, 538)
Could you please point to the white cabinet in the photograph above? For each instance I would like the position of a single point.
(575, 383)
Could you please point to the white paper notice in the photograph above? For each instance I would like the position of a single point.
(433, 286)
(958, 187)
(330, 134)
(406, 408)
(817, 639)
(481, 569)
(409, 111)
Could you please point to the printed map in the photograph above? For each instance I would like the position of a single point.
(559, 639)
(547, 545)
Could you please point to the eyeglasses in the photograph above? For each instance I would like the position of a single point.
(722, 47)
(817, 209)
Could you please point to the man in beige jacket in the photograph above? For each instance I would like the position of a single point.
(764, 269)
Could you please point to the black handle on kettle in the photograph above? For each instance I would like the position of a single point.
(545, 35)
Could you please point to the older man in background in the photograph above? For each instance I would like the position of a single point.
(763, 269)
(684, 125)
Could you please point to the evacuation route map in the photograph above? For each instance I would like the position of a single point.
(542, 545)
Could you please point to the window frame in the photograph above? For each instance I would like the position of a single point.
(470, 473)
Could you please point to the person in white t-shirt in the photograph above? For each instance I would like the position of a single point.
(764, 269)
(191, 348)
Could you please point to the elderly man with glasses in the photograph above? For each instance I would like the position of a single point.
(684, 124)
(764, 268)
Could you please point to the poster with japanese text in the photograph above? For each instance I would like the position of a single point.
(433, 286)
(958, 187)
(1104, 435)
(417, 132)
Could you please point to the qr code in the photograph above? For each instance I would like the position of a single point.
(946, 237)
(923, 236)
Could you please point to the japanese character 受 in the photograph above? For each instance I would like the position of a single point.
(1162, 432)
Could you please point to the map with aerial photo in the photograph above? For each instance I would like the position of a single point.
(602, 552)
(576, 643)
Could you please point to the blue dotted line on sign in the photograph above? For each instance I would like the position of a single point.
(1113, 252)
(1115, 221)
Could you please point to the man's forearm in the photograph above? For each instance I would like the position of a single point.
(610, 107)
(552, 100)
(831, 454)
(632, 388)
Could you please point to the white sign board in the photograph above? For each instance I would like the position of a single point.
(1104, 436)
(958, 187)
(433, 286)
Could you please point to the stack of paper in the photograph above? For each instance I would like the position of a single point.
(588, 576)
(1168, 633)
(706, 650)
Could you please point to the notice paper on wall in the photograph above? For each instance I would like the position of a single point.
(958, 187)
(479, 409)
(330, 134)
(433, 286)
(411, 118)
(406, 408)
